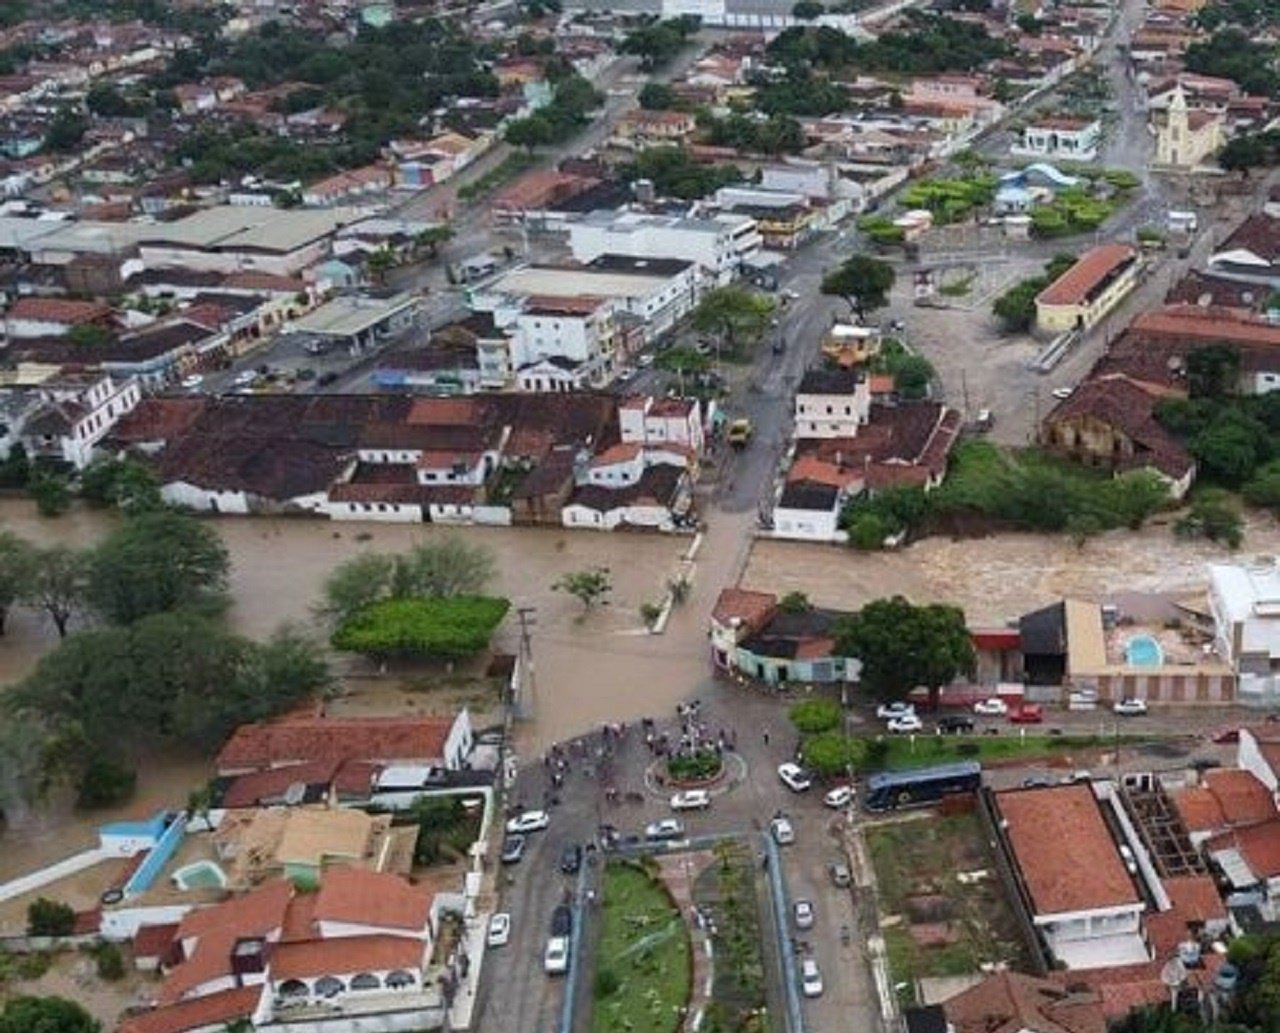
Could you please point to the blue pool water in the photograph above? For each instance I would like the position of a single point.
(1143, 651)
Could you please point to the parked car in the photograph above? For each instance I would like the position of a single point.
(991, 707)
(954, 724)
(555, 961)
(782, 830)
(512, 849)
(244, 377)
(1080, 775)
(840, 796)
(1062, 392)
(1130, 707)
(667, 828)
(529, 821)
(561, 920)
(793, 776)
(1130, 862)
(810, 978)
(906, 723)
(1036, 782)
(571, 859)
(691, 800)
(1027, 714)
(325, 379)
(888, 711)
(499, 930)
(802, 910)
(1226, 736)
(839, 872)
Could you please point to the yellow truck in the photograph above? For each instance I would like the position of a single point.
(739, 434)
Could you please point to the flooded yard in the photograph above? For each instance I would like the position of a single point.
(998, 578)
(589, 667)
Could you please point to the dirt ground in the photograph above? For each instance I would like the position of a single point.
(998, 578)
(73, 975)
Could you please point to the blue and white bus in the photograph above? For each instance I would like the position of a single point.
(888, 790)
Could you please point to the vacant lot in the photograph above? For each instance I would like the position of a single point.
(943, 909)
(643, 967)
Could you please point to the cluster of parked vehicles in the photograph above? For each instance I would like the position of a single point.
(901, 717)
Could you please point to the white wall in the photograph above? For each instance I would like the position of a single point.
(121, 924)
(180, 493)
(390, 513)
(806, 525)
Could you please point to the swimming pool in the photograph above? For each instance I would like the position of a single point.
(200, 875)
(1143, 651)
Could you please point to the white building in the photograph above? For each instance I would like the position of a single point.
(809, 512)
(563, 344)
(1065, 139)
(1071, 876)
(832, 403)
(718, 244)
(77, 412)
(657, 291)
(1245, 603)
(646, 420)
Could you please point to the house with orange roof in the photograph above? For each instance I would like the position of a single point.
(360, 945)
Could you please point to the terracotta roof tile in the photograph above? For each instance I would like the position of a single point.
(1244, 800)
(202, 1013)
(378, 899)
(752, 608)
(1010, 1002)
(297, 740)
(346, 955)
(1091, 271)
(58, 310)
(1258, 844)
(1064, 850)
(1199, 809)
(1196, 898)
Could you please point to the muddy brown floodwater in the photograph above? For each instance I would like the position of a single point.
(601, 666)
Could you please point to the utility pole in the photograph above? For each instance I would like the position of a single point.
(524, 705)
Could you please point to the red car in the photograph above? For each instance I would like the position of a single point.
(1227, 735)
(1027, 714)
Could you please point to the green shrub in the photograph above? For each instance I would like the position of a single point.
(34, 965)
(50, 918)
(695, 766)
(447, 628)
(105, 784)
(607, 984)
(814, 716)
(110, 962)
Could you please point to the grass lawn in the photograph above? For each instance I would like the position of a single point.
(1008, 745)
(916, 866)
(643, 965)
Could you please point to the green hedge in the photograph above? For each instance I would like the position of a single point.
(449, 628)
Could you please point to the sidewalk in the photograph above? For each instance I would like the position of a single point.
(678, 872)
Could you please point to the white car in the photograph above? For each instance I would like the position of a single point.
(992, 707)
(245, 376)
(555, 961)
(888, 711)
(1130, 707)
(667, 828)
(810, 978)
(528, 821)
(1061, 393)
(803, 912)
(794, 777)
(840, 796)
(193, 381)
(783, 831)
(499, 930)
(691, 800)
(908, 723)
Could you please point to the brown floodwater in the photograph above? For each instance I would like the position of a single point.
(589, 668)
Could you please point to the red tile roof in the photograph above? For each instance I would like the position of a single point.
(1259, 845)
(1244, 800)
(297, 740)
(57, 310)
(379, 899)
(1064, 850)
(1010, 1002)
(344, 956)
(1199, 809)
(1091, 271)
(201, 1013)
(154, 941)
(1196, 898)
(253, 788)
(752, 608)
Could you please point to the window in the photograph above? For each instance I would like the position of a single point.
(293, 988)
(365, 981)
(329, 986)
(399, 979)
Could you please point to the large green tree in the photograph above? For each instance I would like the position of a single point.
(441, 628)
(157, 561)
(734, 315)
(903, 646)
(46, 1015)
(57, 584)
(433, 569)
(16, 561)
(863, 282)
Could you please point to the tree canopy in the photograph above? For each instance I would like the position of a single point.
(155, 562)
(902, 646)
(46, 1015)
(446, 567)
(735, 315)
(657, 42)
(863, 282)
(450, 628)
